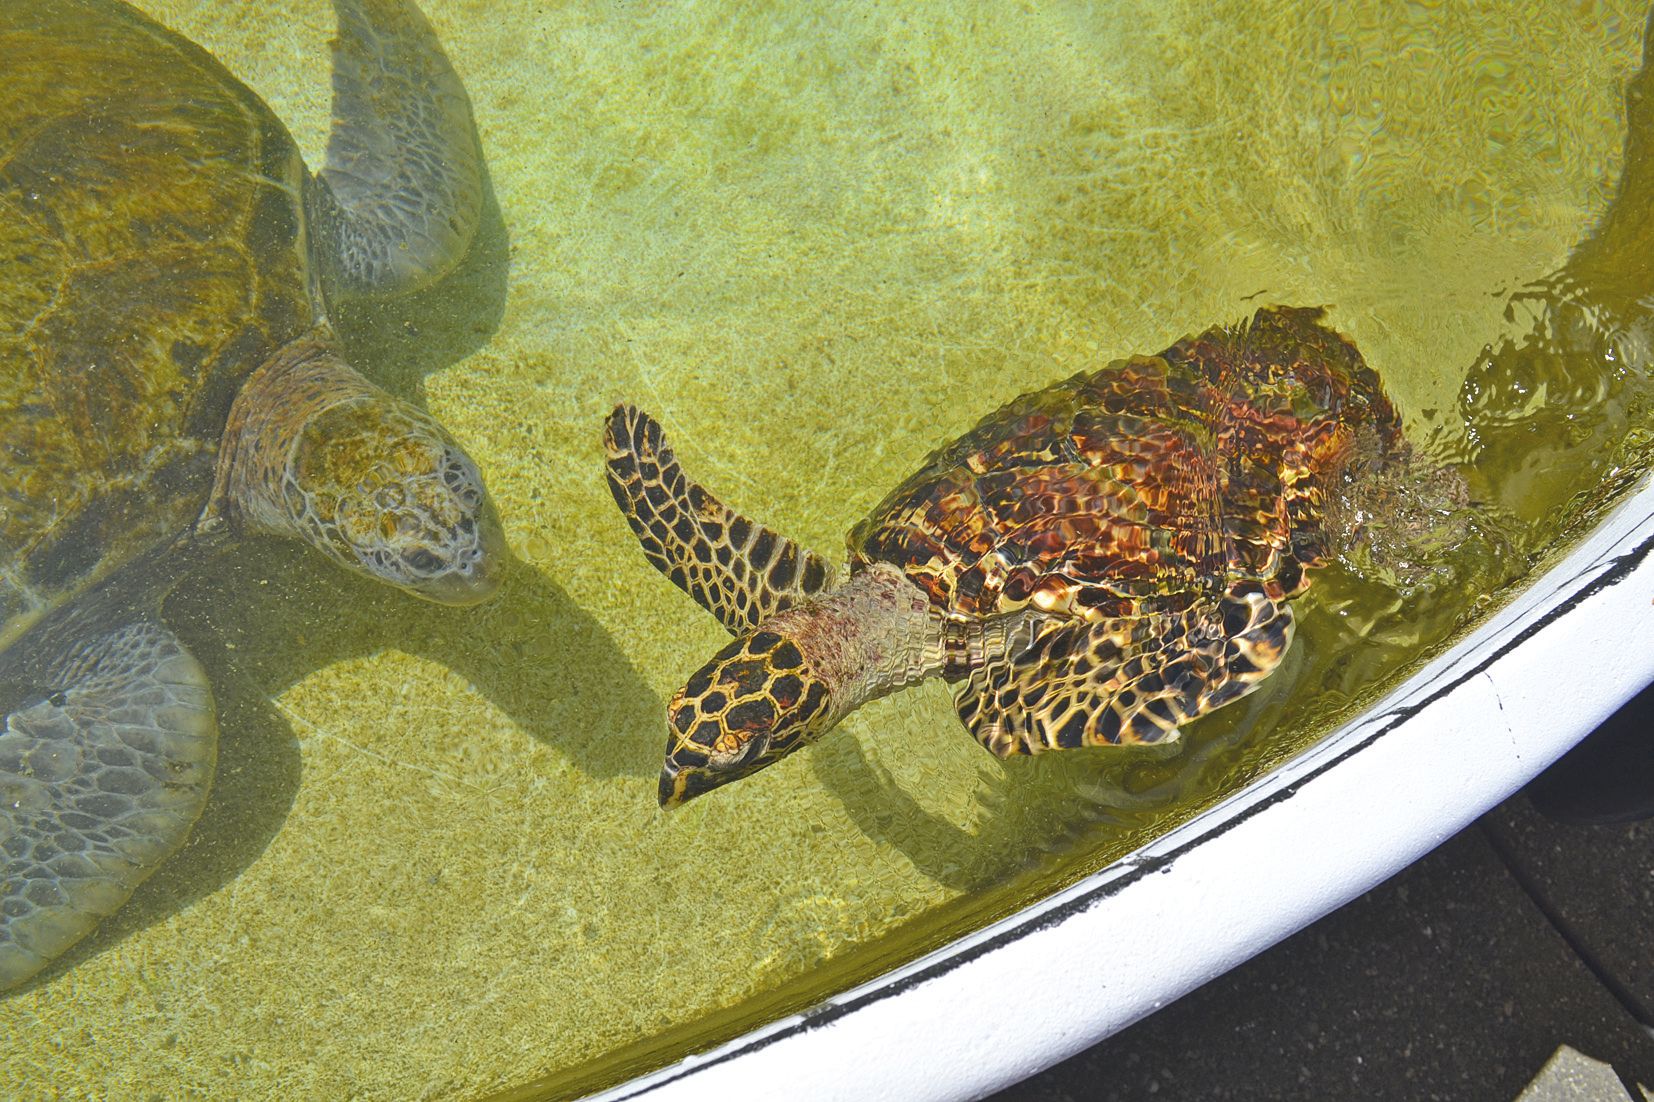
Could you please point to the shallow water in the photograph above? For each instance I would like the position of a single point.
(816, 241)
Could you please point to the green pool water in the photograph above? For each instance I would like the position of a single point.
(816, 240)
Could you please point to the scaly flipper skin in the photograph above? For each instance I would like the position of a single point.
(102, 774)
(401, 196)
(735, 568)
(1123, 682)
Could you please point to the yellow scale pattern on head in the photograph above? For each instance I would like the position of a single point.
(746, 687)
(756, 687)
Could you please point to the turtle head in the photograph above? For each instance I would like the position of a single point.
(757, 701)
(377, 485)
(316, 451)
(791, 678)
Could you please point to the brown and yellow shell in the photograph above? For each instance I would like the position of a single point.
(152, 255)
(1147, 484)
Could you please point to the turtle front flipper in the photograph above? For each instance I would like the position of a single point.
(1125, 681)
(401, 196)
(735, 568)
(105, 763)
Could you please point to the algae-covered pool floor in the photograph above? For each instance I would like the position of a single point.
(816, 241)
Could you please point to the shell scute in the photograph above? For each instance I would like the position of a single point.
(152, 251)
(1146, 485)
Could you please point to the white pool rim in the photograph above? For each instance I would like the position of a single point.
(1463, 734)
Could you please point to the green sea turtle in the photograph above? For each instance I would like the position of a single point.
(169, 384)
(1093, 564)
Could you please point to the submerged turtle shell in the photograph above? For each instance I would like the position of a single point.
(1148, 484)
(152, 255)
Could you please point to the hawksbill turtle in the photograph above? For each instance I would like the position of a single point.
(1094, 564)
(169, 384)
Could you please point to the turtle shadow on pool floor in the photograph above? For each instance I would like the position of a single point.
(274, 614)
(1054, 807)
(1029, 810)
(398, 341)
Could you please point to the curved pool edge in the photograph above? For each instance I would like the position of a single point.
(1458, 737)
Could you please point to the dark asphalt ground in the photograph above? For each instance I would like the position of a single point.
(1456, 979)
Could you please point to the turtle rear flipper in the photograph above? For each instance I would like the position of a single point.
(735, 568)
(1123, 682)
(401, 195)
(102, 775)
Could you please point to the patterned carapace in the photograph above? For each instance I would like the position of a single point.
(169, 383)
(1093, 564)
(1154, 478)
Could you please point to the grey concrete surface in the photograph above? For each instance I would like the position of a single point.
(1572, 1076)
(1596, 884)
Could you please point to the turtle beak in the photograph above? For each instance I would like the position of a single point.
(484, 567)
(679, 786)
(688, 772)
(681, 783)
(673, 788)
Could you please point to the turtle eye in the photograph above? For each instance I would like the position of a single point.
(742, 753)
(422, 561)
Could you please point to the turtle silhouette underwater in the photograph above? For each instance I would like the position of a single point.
(1094, 564)
(169, 384)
